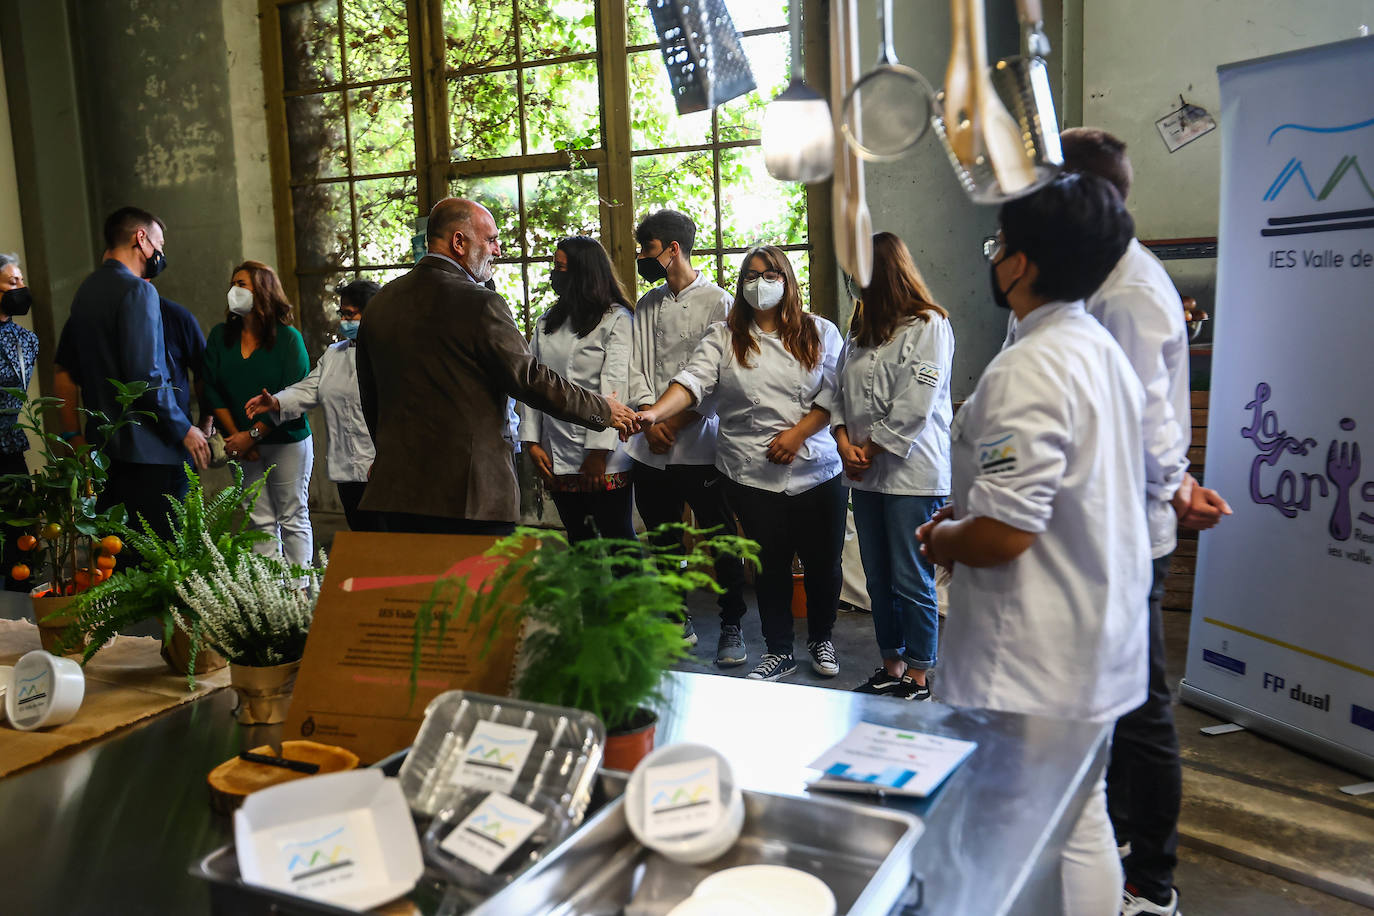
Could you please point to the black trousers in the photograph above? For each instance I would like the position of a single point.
(410, 523)
(1144, 776)
(607, 514)
(660, 494)
(144, 491)
(14, 464)
(350, 494)
(809, 526)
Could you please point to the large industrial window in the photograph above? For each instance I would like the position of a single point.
(556, 114)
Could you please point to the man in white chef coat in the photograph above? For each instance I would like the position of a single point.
(1047, 531)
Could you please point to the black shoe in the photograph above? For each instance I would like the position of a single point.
(730, 649)
(881, 683)
(773, 667)
(689, 632)
(910, 690)
(823, 657)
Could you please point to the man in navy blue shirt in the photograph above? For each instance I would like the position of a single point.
(185, 358)
(115, 331)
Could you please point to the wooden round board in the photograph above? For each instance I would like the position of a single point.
(235, 778)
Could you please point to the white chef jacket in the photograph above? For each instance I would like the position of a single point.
(601, 362)
(667, 328)
(1050, 443)
(333, 385)
(757, 402)
(897, 394)
(1141, 308)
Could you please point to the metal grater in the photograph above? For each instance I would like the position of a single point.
(702, 53)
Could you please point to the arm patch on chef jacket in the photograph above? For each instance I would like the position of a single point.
(928, 374)
(997, 456)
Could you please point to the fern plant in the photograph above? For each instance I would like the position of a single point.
(203, 532)
(600, 616)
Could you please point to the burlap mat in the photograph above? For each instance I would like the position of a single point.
(125, 682)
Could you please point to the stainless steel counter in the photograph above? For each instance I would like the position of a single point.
(113, 828)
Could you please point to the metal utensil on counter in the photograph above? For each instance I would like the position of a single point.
(1013, 135)
(798, 137)
(890, 106)
(853, 224)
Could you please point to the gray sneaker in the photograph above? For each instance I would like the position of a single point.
(730, 650)
(689, 632)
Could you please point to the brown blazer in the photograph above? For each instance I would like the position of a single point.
(437, 356)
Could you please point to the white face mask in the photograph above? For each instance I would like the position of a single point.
(763, 294)
(240, 300)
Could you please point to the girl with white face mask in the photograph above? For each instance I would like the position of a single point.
(768, 371)
(253, 350)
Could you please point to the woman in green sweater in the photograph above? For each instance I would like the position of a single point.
(257, 349)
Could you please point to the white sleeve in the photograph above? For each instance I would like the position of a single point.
(925, 373)
(615, 374)
(831, 346)
(1021, 434)
(298, 399)
(641, 393)
(531, 420)
(1136, 318)
(836, 406)
(703, 370)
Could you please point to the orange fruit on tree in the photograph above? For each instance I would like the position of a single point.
(27, 542)
(102, 574)
(20, 572)
(105, 562)
(51, 530)
(82, 579)
(111, 544)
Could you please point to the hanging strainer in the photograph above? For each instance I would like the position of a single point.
(891, 105)
(701, 50)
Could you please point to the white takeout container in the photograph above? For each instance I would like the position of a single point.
(768, 890)
(45, 690)
(695, 848)
(342, 838)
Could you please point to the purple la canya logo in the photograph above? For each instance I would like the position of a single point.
(1291, 492)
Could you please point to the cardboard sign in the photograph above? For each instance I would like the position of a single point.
(354, 684)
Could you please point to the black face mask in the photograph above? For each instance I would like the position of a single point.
(16, 301)
(154, 265)
(1000, 295)
(558, 281)
(651, 270)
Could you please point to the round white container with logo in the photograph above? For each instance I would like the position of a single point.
(44, 691)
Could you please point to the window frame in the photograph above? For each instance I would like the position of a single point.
(613, 159)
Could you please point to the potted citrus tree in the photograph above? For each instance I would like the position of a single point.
(600, 622)
(253, 610)
(67, 542)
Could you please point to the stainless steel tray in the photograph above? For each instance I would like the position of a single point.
(861, 851)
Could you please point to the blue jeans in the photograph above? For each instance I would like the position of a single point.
(901, 582)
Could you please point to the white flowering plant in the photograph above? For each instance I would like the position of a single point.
(253, 609)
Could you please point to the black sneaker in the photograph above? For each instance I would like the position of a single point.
(689, 632)
(910, 690)
(730, 649)
(823, 657)
(881, 683)
(773, 667)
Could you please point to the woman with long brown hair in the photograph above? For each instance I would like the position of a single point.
(769, 372)
(256, 349)
(891, 425)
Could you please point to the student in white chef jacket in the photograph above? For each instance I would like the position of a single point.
(1046, 532)
(770, 371)
(585, 337)
(891, 423)
(675, 461)
(333, 385)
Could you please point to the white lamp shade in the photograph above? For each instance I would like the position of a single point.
(798, 136)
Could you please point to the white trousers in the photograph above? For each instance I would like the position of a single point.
(282, 509)
(1090, 869)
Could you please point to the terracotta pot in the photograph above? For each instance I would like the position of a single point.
(177, 655)
(52, 623)
(624, 749)
(798, 596)
(264, 691)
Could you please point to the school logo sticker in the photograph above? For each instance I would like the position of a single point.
(928, 374)
(997, 456)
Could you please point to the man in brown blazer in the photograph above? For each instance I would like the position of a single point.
(438, 354)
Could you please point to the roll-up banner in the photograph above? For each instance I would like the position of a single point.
(1282, 637)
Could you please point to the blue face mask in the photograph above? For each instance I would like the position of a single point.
(349, 329)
